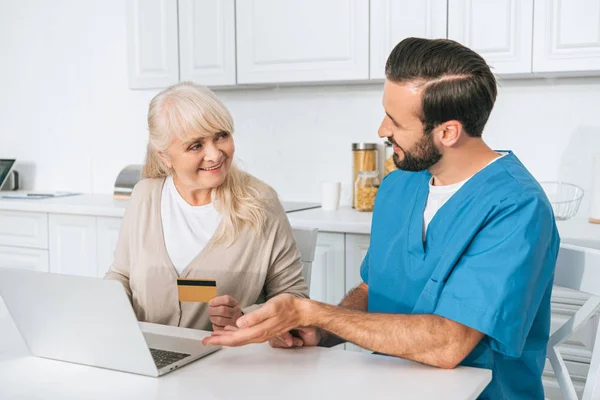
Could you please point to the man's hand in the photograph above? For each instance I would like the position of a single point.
(223, 311)
(275, 318)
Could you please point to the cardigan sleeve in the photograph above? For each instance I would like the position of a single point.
(285, 268)
(284, 274)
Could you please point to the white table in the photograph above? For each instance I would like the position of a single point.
(251, 372)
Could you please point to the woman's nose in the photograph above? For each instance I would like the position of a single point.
(212, 153)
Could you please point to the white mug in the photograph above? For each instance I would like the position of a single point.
(330, 195)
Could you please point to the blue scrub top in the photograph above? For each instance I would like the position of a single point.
(487, 262)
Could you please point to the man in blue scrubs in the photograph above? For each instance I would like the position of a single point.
(463, 241)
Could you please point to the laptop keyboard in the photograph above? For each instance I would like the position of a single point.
(162, 358)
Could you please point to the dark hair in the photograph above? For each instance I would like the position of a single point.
(458, 83)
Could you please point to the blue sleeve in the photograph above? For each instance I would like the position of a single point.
(364, 268)
(498, 284)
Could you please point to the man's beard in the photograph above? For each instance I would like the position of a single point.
(421, 157)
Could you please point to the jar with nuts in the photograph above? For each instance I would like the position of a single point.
(365, 190)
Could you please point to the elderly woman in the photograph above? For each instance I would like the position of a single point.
(198, 216)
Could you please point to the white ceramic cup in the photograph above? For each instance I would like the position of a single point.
(330, 195)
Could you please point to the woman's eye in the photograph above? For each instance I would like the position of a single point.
(196, 146)
(222, 135)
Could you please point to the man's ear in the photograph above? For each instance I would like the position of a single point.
(449, 133)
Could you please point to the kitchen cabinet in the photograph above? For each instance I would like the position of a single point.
(394, 20)
(328, 274)
(500, 31)
(356, 249)
(566, 37)
(276, 41)
(228, 43)
(24, 229)
(207, 42)
(336, 268)
(299, 41)
(152, 43)
(23, 258)
(81, 244)
(107, 234)
(24, 240)
(73, 244)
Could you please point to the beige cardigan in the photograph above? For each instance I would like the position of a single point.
(254, 268)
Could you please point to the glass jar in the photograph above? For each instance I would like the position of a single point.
(365, 190)
(390, 165)
(364, 158)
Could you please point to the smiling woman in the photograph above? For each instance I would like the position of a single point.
(198, 216)
(191, 140)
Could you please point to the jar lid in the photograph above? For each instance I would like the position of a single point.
(364, 146)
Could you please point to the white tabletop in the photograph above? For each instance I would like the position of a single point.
(251, 372)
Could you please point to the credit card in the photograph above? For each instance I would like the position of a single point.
(196, 290)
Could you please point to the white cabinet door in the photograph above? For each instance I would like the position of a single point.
(23, 258)
(152, 47)
(356, 249)
(567, 37)
(394, 20)
(73, 244)
(300, 41)
(107, 234)
(207, 41)
(499, 30)
(327, 277)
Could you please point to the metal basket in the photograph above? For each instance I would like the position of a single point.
(564, 197)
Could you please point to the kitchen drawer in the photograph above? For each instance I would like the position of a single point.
(23, 258)
(24, 229)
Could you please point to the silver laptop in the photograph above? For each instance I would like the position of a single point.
(89, 321)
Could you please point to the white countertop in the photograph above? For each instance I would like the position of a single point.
(102, 205)
(344, 220)
(251, 372)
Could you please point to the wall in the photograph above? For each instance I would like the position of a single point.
(66, 112)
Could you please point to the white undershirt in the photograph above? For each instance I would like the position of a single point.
(439, 195)
(186, 228)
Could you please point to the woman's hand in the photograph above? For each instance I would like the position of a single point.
(223, 311)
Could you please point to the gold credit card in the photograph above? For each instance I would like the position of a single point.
(196, 290)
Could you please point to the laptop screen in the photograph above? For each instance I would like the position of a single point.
(5, 167)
